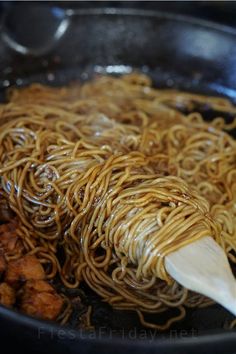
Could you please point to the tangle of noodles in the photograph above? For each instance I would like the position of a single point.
(114, 176)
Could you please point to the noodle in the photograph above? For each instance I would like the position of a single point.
(113, 174)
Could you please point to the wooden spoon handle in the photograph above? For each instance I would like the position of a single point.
(202, 266)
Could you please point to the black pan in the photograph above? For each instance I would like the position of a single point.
(177, 52)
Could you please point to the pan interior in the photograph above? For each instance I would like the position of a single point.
(176, 54)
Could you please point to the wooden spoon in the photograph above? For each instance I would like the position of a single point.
(202, 266)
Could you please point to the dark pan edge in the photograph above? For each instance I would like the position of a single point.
(46, 329)
(153, 13)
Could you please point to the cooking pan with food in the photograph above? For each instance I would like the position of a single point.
(176, 52)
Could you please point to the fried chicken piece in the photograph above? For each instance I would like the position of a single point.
(40, 299)
(6, 214)
(22, 269)
(9, 240)
(7, 295)
(3, 263)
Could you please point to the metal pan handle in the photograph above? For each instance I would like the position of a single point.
(33, 29)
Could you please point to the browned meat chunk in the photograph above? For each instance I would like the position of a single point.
(9, 241)
(3, 264)
(41, 300)
(7, 295)
(38, 286)
(6, 214)
(25, 268)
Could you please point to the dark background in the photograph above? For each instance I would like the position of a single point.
(223, 12)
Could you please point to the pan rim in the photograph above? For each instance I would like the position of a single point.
(112, 11)
(51, 328)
